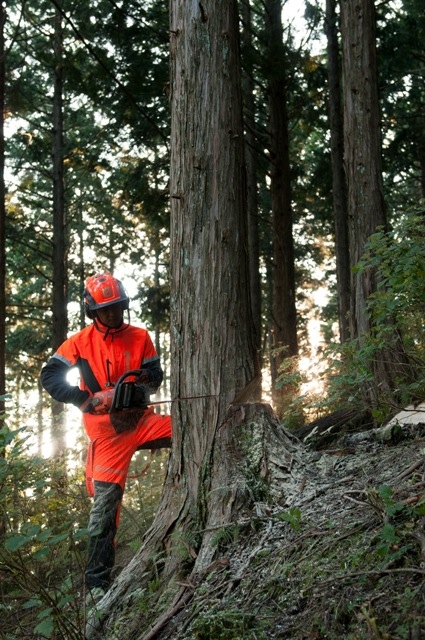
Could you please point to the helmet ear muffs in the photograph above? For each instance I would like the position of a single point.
(86, 304)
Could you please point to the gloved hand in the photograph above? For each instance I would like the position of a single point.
(140, 396)
(99, 402)
(142, 378)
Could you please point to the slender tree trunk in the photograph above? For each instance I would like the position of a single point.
(251, 179)
(60, 314)
(81, 264)
(422, 173)
(2, 239)
(418, 128)
(363, 162)
(339, 186)
(157, 330)
(112, 257)
(2, 216)
(285, 341)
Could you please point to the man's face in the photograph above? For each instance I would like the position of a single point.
(111, 316)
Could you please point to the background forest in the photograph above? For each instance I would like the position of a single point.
(84, 186)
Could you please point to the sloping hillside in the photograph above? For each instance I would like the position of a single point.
(338, 553)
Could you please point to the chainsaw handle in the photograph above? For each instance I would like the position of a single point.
(132, 372)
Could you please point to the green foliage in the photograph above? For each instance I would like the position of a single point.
(293, 517)
(401, 29)
(396, 259)
(392, 508)
(41, 558)
(186, 543)
(43, 550)
(393, 540)
(225, 536)
(288, 371)
(115, 159)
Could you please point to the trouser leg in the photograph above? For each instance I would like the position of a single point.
(153, 432)
(102, 529)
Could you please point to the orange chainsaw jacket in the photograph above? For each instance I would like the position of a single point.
(101, 357)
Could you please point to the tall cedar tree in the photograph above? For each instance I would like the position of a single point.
(339, 186)
(251, 161)
(215, 437)
(284, 317)
(213, 348)
(2, 216)
(363, 163)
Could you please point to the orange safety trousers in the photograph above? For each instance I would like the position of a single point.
(108, 459)
(107, 464)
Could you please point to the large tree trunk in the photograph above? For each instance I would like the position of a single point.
(284, 331)
(363, 163)
(339, 187)
(225, 453)
(362, 142)
(213, 349)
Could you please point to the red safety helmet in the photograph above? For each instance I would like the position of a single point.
(101, 291)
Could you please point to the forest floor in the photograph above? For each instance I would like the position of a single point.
(346, 558)
(342, 558)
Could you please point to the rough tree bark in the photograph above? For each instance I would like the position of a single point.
(339, 186)
(213, 350)
(284, 320)
(225, 454)
(363, 164)
(362, 144)
(251, 155)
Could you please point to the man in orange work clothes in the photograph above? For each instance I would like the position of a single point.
(102, 353)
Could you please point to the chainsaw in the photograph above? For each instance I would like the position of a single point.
(125, 394)
(128, 394)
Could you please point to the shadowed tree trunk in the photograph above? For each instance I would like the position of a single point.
(251, 155)
(284, 320)
(2, 239)
(60, 316)
(60, 313)
(339, 187)
(2, 217)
